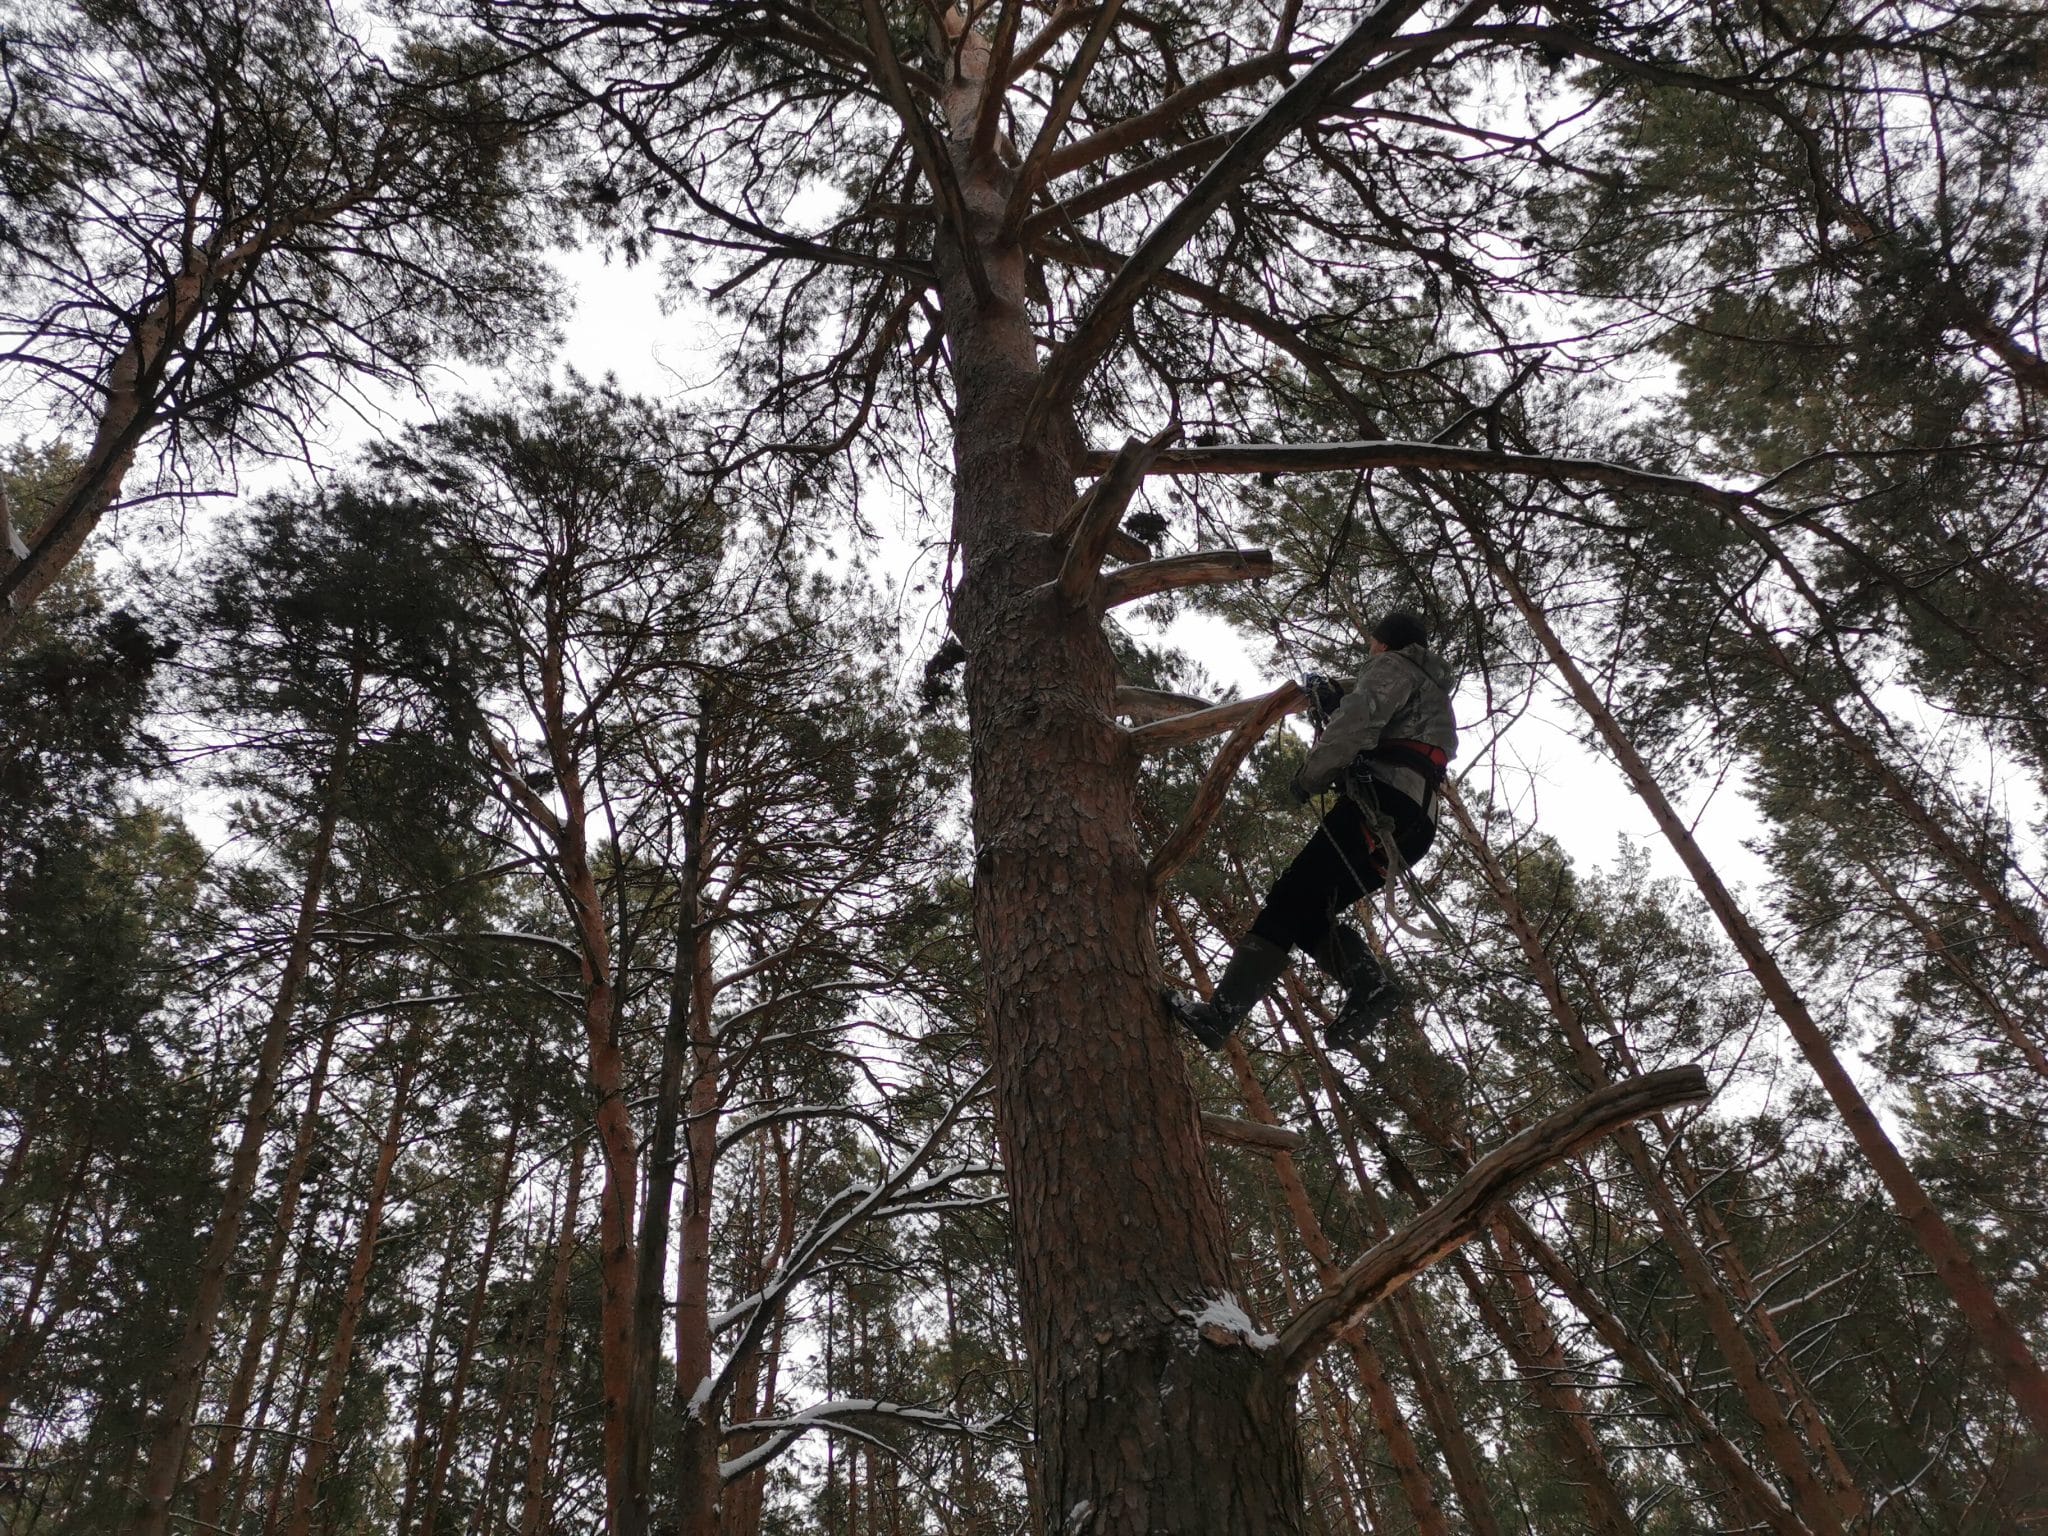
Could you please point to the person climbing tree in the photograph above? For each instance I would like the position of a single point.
(1384, 743)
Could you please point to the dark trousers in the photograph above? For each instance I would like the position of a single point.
(1341, 863)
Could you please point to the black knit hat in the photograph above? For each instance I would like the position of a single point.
(1401, 627)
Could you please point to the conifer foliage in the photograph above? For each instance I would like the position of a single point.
(517, 1012)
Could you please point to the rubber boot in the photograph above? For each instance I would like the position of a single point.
(1255, 965)
(1370, 994)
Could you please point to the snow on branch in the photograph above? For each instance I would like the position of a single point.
(1460, 1214)
(847, 1413)
(843, 1211)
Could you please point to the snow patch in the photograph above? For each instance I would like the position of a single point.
(1227, 1313)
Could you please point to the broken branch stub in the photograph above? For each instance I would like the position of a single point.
(1252, 1135)
(1208, 803)
(1096, 514)
(1457, 1217)
(1204, 569)
(1200, 724)
(1148, 704)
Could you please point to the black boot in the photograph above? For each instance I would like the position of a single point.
(1254, 967)
(1370, 994)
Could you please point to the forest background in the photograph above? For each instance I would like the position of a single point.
(530, 998)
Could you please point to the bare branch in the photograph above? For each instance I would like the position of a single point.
(1199, 725)
(1251, 1134)
(1203, 569)
(1148, 704)
(1461, 1213)
(1097, 511)
(1392, 453)
(1258, 719)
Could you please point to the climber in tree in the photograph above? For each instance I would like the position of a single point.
(1385, 742)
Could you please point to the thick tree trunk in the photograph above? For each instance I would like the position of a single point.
(188, 1362)
(533, 1504)
(1994, 1332)
(341, 1353)
(213, 1482)
(1144, 1424)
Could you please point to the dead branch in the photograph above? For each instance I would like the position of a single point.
(1179, 730)
(1203, 569)
(1149, 704)
(1208, 803)
(1392, 453)
(1457, 1217)
(1252, 1135)
(1099, 509)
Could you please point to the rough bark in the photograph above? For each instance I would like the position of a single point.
(1144, 1425)
(188, 1362)
(1991, 1329)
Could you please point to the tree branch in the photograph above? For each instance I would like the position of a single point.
(1204, 569)
(1033, 172)
(1457, 1217)
(1200, 724)
(1099, 325)
(1097, 511)
(1394, 453)
(1149, 704)
(1251, 1134)
(1258, 719)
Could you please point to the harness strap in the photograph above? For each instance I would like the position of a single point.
(1424, 759)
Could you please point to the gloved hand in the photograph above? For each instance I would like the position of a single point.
(1324, 695)
(1299, 792)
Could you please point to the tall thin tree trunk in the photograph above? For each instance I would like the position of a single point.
(341, 1353)
(287, 1318)
(424, 1392)
(617, 1147)
(688, 1006)
(1144, 1424)
(465, 1351)
(533, 1502)
(26, 1334)
(212, 1485)
(1827, 1511)
(1989, 1326)
(173, 1435)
